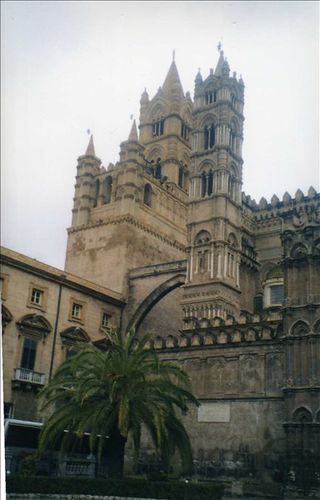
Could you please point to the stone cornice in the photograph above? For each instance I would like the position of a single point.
(58, 276)
(129, 219)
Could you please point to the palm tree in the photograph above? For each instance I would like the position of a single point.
(112, 393)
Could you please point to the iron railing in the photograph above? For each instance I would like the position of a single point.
(26, 375)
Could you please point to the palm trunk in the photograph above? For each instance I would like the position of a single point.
(115, 454)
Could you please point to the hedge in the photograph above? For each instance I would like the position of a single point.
(171, 490)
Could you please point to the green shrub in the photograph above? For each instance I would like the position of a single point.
(171, 490)
(29, 465)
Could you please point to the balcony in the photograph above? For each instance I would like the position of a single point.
(25, 376)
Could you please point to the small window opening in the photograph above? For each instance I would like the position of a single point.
(76, 310)
(158, 127)
(105, 320)
(37, 296)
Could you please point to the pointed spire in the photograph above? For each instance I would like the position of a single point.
(144, 97)
(198, 78)
(219, 66)
(90, 149)
(172, 86)
(133, 136)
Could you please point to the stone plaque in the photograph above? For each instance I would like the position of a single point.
(214, 412)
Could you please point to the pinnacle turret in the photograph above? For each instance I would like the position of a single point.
(172, 86)
(90, 149)
(133, 136)
(220, 64)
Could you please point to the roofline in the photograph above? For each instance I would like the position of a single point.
(33, 266)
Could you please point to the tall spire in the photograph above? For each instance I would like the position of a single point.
(90, 149)
(172, 85)
(133, 136)
(220, 64)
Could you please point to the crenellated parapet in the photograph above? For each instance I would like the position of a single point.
(217, 333)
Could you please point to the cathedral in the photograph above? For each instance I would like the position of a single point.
(164, 241)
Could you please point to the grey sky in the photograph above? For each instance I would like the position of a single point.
(72, 66)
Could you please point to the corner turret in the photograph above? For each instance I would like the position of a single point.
(85, 188)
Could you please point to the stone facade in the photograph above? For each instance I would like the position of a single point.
(229, 288)
(41, 326)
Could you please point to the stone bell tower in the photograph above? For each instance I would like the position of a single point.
(165, 129)
(214, 213)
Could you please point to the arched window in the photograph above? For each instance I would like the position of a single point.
(203, 237)
(147, 195)
(96, 193)
(108, 189)
(211, 96)
(209, 136)
(158, 169)
(273, 287)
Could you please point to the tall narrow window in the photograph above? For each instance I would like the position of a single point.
(210, 183)
(158, 127)
(158, 169)
(209, 136)
(96, 194)
(108, 189)
(147, 195)
(211, 96)
(184, 131)
(203, 185)
(181, 177)
(28, 354)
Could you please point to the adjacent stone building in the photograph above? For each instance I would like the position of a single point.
(165, 242)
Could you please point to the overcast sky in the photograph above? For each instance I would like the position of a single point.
(72, 66)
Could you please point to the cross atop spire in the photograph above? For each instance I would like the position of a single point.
(219, 47)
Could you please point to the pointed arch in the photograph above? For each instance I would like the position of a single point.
(208, 120)
(316, 326)
(202, 237)
(302, 415)
(155, 153)
(158, 109)
(153, 298)
(300, 328)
